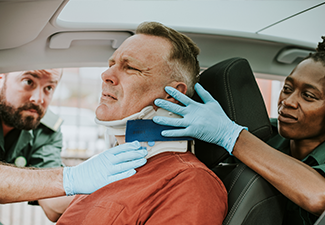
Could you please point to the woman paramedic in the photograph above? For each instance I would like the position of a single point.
(297, 168)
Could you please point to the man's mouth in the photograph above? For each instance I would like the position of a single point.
(106, 95)
(33, 109)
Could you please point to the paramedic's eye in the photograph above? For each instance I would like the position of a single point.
(28, 82)
(49, 88)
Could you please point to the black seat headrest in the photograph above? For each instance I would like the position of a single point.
(232, 83)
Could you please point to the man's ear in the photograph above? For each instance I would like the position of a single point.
(181, 87)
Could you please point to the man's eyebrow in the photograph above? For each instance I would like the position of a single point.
(54, 81)
(133, 61)
(38, 77)
(32, 74)
(127, 59)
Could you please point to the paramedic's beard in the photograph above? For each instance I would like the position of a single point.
(13, 117)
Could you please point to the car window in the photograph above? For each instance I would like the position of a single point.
(270, 88)
(75, 101)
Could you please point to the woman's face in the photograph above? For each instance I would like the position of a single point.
(301, 105)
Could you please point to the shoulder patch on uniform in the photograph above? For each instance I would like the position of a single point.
(51, 120)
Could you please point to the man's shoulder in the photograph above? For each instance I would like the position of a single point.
(189, 160)
(190, 166)
(192, 173)
(178, 160)
(51, 121)
(48, 130)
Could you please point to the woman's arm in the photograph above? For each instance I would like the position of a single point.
(299, 182)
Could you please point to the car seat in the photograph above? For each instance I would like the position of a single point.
(251, 199)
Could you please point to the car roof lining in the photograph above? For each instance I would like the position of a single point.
(14, 33)
(35, 39)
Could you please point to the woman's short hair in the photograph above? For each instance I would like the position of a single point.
(319, 55)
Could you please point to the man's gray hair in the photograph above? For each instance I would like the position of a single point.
(183, 57)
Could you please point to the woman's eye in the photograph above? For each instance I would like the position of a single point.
(286, 89)
(308, 96)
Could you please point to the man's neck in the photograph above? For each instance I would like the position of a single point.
(6, 129)
(120, 139)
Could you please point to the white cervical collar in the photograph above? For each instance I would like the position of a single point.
(118, 127)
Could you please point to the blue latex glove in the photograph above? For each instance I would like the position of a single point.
(207, 122)
(111, 165)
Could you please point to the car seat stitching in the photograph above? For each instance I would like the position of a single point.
(229, 96)
(241, 196)
(236, 177)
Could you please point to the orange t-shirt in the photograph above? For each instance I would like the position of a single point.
(172, 188)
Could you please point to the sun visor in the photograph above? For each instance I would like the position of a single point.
(35, 14)
(64, 40)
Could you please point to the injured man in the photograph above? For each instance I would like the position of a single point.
(173, 187)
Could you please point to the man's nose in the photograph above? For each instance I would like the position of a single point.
(110, 76)
(37, 96)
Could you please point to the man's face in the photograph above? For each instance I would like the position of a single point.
(25, 96)
(301, 105)
(136, 76)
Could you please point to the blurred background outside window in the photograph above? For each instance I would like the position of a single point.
(75, 101)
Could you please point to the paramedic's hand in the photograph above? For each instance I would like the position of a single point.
(111, 165)
(207, 121)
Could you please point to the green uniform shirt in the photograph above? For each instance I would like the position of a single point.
(316, 159)
(37, 148)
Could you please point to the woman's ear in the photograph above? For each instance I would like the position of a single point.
(181, 87)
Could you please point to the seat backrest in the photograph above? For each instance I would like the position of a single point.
(232, 83)
(251, 199)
